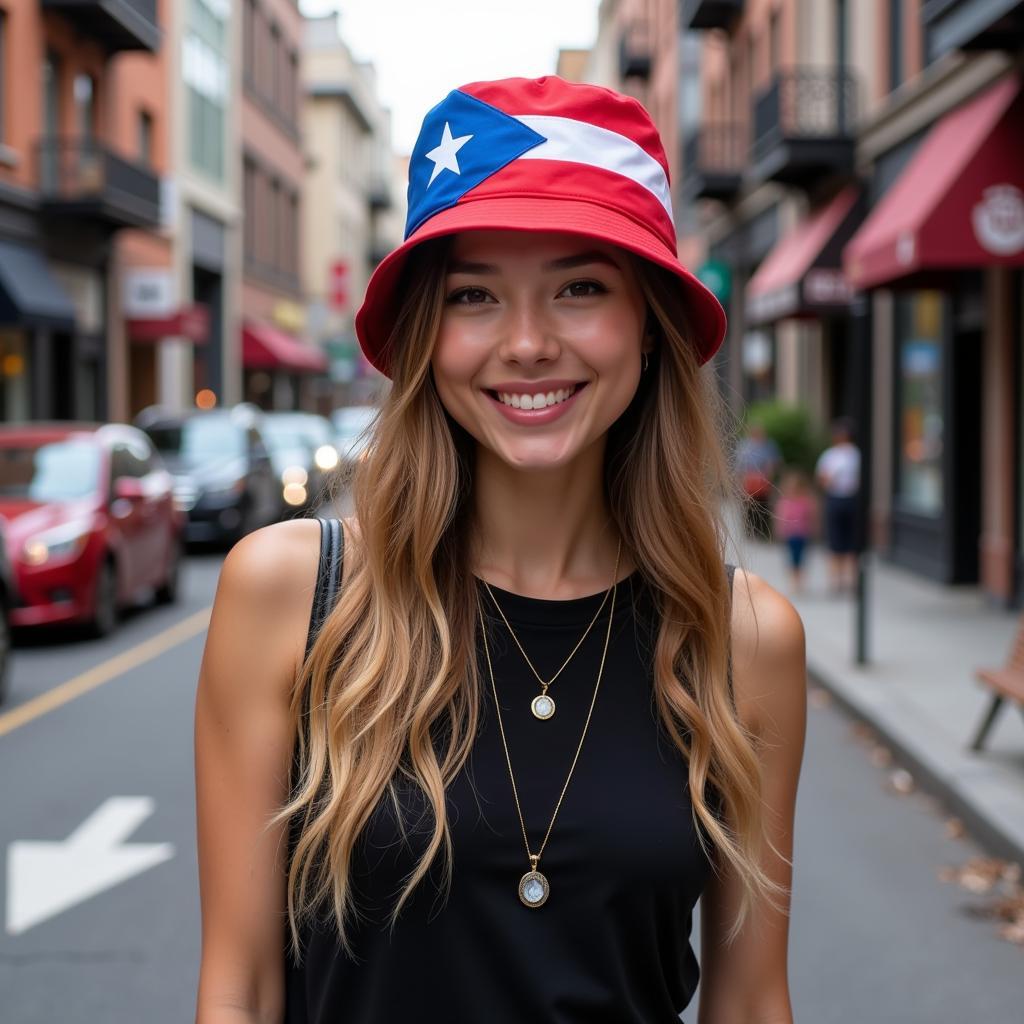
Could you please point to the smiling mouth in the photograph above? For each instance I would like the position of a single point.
(577, 388)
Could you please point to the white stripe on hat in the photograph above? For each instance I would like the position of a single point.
(583, 143)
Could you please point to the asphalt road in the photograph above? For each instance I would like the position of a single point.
(97, 737)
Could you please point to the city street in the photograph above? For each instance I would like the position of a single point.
(105, 927)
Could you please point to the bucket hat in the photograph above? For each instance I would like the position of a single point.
(538, 154)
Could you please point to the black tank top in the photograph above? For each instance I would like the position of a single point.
(612, 942)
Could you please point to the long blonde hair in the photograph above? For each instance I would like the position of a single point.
(397, 655)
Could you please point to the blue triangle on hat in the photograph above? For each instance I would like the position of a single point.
(462, 142)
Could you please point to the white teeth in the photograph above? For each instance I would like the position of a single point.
(539, 401)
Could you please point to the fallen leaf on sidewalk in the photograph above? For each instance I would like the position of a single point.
(955, 828)
(900, 781)
(982, 874)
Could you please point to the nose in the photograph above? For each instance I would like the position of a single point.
(527, 337)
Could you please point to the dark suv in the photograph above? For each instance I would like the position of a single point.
(223, 476)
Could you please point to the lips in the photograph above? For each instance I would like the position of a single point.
(536, 417)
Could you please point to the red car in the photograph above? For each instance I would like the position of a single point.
(91, 522)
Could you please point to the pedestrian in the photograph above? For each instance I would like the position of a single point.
(512, 756)
(838, 474)
(795, 521)
(757, 461)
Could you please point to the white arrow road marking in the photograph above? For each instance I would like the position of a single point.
(46, 878)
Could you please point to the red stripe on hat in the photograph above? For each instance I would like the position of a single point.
(562, 179)
(555, 97)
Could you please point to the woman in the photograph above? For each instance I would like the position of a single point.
(519, 758)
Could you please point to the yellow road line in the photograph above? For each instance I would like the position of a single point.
(105, 671)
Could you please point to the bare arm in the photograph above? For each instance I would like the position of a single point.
(242, 749)
(747, 983)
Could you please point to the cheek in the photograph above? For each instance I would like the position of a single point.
(456, 361)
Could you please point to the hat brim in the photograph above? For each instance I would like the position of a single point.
(375, 319)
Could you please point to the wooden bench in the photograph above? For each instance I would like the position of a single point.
(1006, 683)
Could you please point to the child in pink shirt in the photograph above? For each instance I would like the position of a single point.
(796, 517)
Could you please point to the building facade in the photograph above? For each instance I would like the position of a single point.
(355, 200)
(280, 365)
(83, 119)
(861, 208)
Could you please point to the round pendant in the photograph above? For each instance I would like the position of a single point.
(533, 889)
(543, 706)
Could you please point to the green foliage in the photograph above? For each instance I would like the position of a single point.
(799, 437)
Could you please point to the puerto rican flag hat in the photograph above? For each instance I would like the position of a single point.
(538, 154)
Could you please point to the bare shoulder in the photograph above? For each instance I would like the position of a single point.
(269, 577)
(768, 653)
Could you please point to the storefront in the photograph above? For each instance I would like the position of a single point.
(949, 224)
(802, 279)
(274, 364)
(37, 326)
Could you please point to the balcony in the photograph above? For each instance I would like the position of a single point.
(971, 25)
(84, 180)
(635, 52)
(379, 195)
(117, 24)
(704, 14)
(804, 127)
(713, 162)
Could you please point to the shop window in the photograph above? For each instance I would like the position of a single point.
(920, 420)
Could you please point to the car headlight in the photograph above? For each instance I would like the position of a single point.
(326, 457)
(65, 541)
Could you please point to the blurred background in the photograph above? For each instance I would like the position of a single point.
(193, 195)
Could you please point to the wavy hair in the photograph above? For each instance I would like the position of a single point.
(394, 665)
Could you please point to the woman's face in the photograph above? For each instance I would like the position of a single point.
(551, 323)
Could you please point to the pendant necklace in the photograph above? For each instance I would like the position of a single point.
(534, 887)
(543, 705)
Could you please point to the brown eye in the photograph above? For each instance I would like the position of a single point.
(584, 289)
(468, 297)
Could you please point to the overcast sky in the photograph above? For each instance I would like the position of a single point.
(423, 49)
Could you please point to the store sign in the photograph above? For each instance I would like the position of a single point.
(149, 292)
(338, 284)
(827, 287)
(289, 315)
(716, 276)
(998, 220)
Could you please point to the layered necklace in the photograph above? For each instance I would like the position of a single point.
(534, 887)
(543, 705)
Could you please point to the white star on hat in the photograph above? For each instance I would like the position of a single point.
(444, 155)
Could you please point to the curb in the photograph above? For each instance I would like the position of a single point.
(994, 831)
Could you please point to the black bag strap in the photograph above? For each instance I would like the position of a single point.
(730, 572)
(328, 576)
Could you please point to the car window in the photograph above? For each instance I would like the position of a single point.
(198, 438)
(54, 471)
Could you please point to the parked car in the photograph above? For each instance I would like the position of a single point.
(302, 448)
(7, 597)
(91, 522)
(353, 432)
(223, 476)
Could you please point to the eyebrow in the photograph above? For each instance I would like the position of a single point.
(564, 263)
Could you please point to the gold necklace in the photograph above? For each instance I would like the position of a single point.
(534, 887)
(543, 706)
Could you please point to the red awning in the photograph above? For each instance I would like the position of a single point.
(267, 348)
(802, 275)
(958, 203)
(190, 322)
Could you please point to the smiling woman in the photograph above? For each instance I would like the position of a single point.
(533, 721)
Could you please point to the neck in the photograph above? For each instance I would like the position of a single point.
(547, 533)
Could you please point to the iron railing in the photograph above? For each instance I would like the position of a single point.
(635, 51)
(703, 14)
(806, 103)
(714, 149)
(85, 173)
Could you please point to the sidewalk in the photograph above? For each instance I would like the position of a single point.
(924, 640)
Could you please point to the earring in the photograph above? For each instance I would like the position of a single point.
(646, 361)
